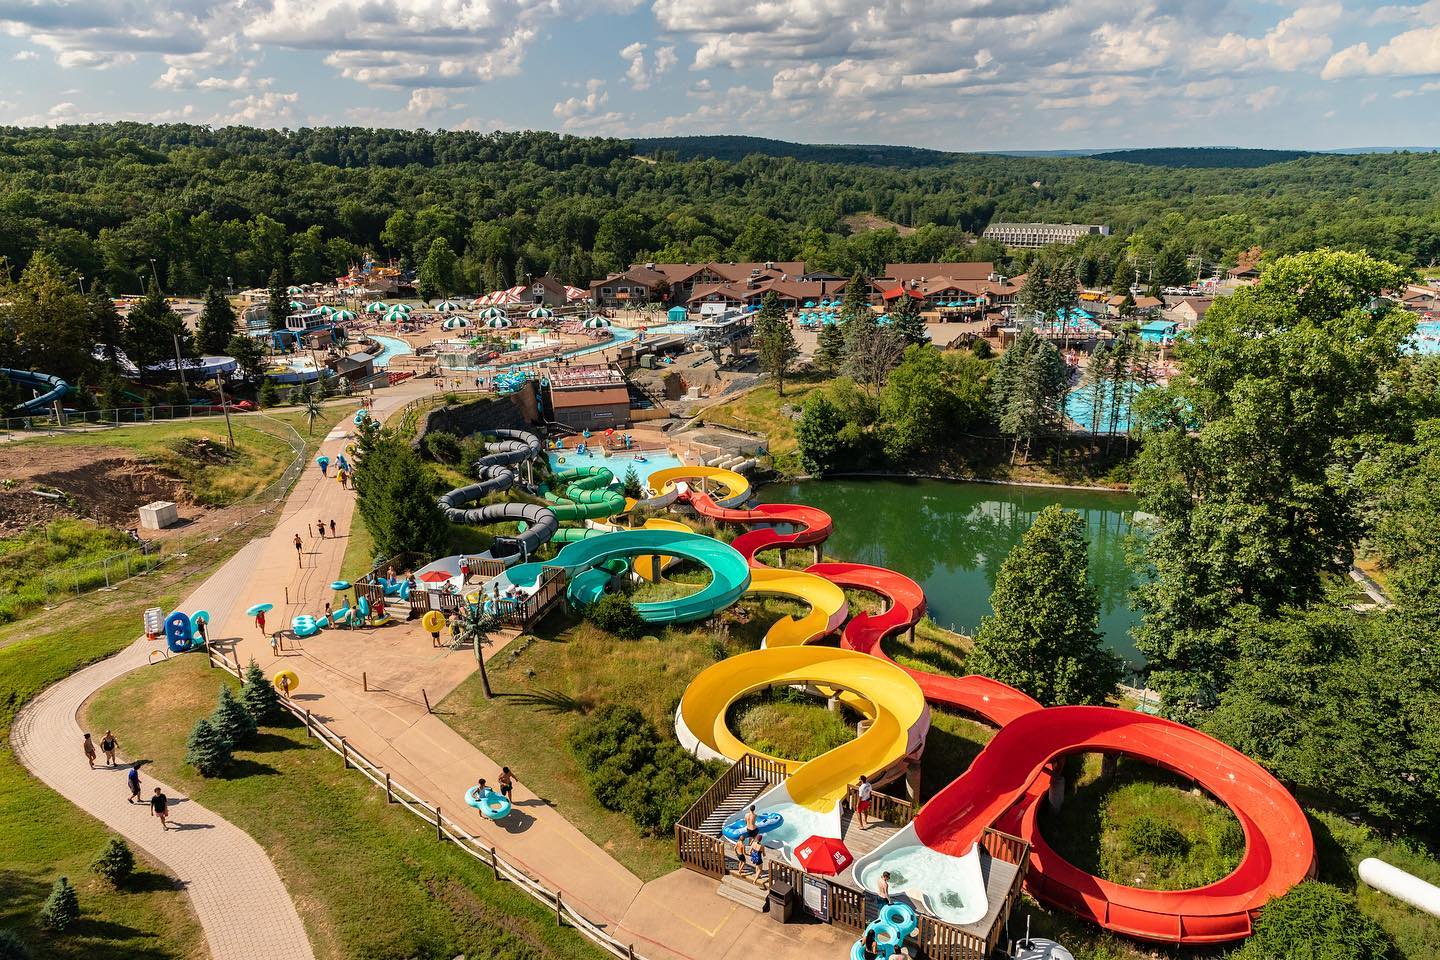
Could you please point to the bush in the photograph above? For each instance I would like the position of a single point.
(1152, 837)
(116, 862)
(12, 947)
(207, 750)
(1316, 921)
(472, 449)
(269, 394)
(259, 696)
(615, 614)
(981, 348)
(631, 769)
(61, 908)
(231, 720)
(443, 446)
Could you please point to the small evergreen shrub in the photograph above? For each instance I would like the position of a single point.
(614, 613)
(116, 861)
(1316, 921)
(207, 750)
(443, 446)
(61, 909)
(260, 699)
(1152, 837)
(11, 946)
(231, 719)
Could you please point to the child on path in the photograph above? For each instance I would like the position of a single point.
(275, 645)
(108, 743)
(160, 807)
(89, 748)
(507, 782)
(132, 777)
(757, 858)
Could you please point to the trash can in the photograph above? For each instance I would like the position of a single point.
(783, 901)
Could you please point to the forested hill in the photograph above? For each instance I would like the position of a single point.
(1227, 157)
(738, 148)
(235, 204)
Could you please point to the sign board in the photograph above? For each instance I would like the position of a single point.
(154, 622)
(815, 894)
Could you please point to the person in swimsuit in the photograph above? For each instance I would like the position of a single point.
(507, 782)
(89, 747)
(757, 858)
(160, 807)
(299, 545)
(752, 829)
(132, 777)
(862, 807)
(108, 743)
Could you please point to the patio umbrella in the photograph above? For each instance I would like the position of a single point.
(455, 323)
(595, 323)
(493, 313)
(810, 303)
(397, 313)
(342, 316)
(326, 310)
(293, 290)
(258, 609)
(297, 305)
(500, 322)
(447, 306)
(435, 576)
(827, 855)
(540, 313)
(379, 306)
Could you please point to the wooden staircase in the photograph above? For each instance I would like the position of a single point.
(745, 892)
(741, 797)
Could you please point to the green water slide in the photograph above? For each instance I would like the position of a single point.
(585, 494)
(586, 561)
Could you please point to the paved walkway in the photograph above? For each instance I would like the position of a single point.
(231, 881)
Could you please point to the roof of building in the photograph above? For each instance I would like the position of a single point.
(1159, 326)
(1148, 303)
(956, 271)
(590, 397)
(1198, 304)
(642, 275)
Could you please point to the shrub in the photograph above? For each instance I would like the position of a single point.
(443, 446)
(630, 768)
(615, 614)
(61, 908)
(1152, 837)
(631, 485)
(981, 348)
(260, 699)
(116, 861)
(1316, 921)
(269, 394)
(12, 947)
(231, 720)
(207, 750)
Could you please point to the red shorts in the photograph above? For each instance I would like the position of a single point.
(863, 806)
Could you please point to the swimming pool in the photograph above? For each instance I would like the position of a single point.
(617, 462)
(1426, 339)
(392, 347)
(1080, 406)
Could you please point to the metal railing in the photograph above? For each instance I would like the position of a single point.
(446, 829)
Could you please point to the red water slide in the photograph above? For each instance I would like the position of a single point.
(1004, 783)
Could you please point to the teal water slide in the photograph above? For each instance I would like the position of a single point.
(586, 561)
(48, 389)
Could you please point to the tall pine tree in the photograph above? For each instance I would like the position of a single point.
(907, 322)
(152, 331)
(775, 341)
(1044, 637)
(217, 323)
(277, 301)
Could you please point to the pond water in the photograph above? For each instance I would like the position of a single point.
(951, 537)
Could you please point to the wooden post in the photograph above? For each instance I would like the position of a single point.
(439, 828)
(389, 796)
(308, 731)
(427, 700)
(365, 681)
(345, 753)
(559, 917)
(494, 864)
(630, 952)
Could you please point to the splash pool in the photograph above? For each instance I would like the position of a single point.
(1426, 339)
(392, 347)
(617, 462)
(950, 888)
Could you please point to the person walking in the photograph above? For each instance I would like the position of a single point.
(108, 743)
(260, 622)
(320, 528)
(332, 528)
(89, 747)
(863, 792)
(299, 545)
(757, 859)
(752, 828)
(132, 779)
(275, 645)
(160, 807)
(507, 783)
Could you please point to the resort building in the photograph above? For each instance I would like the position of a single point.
(1189, 310)
(588, 397)
(676, 282)
(1042, 234)
(967, 287)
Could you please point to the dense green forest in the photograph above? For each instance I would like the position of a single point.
(231, 205)
(735, 148)
(1204, 156)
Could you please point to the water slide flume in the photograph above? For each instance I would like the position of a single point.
(495, 473)
(48, 389)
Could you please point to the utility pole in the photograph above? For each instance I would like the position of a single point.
(179, 367)
(225, 408)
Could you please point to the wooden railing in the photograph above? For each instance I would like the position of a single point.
(700, 851)
(884, 807)
(1004, 846)
(944, 941)
(446, 830)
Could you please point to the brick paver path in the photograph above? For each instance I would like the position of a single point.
(243, 907)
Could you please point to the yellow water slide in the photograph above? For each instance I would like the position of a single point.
(889, 697)
(645, 565)
(737, 488)
(828, 606)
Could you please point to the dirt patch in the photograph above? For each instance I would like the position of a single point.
(104, 484)
(861, 222)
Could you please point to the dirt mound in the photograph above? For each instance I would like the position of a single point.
(105, 484)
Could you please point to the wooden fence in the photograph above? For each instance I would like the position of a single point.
(884, 807)
(446, 830)
(700, 851)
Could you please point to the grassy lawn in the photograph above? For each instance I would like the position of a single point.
(27, 559)
(759, 412)
(370, 879)
(46, 837)
(791, 724)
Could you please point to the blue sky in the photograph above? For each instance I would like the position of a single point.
(951, 74)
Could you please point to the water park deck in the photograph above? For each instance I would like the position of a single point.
(1003, 861)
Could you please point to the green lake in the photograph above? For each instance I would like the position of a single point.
(951, 537)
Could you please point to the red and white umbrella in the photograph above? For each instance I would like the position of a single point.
(827, 855)
(435, 576)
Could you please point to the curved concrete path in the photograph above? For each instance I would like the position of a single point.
(242, 906)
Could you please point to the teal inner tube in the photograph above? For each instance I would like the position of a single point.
(492, 805)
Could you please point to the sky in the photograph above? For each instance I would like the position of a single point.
(950, 74)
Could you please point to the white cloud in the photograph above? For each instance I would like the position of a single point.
(573, 108)
(265, 109)
(642, 74)
(1409, 54)
(26, 55)
(1264, 98)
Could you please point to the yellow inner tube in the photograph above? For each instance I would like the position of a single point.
(433, 621)
(286, 681)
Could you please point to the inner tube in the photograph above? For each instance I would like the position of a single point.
(305, 625)
(433, 621)
(286, 680)
(492, 805)
(900, 916)
(764, 823)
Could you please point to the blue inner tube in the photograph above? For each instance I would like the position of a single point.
(887, 938)
(178, 632)
(492, 805)
(764, 823)
(899, 916)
